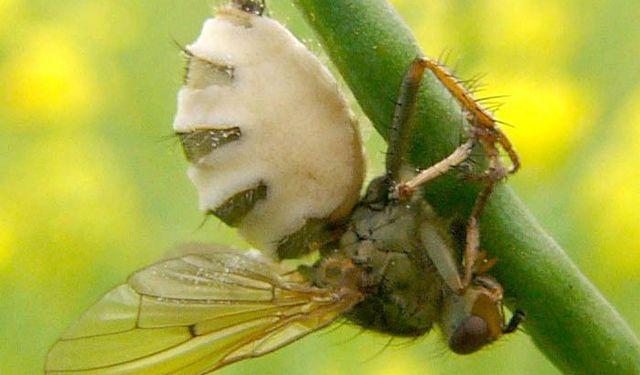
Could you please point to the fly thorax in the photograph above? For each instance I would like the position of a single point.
(403, 292)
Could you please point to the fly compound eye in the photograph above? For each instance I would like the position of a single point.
(474, 319)
(471, 335)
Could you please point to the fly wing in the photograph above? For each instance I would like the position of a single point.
(194, 314)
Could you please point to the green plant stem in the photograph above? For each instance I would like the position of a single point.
(567, 318)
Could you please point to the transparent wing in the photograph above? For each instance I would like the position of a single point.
(194, 314)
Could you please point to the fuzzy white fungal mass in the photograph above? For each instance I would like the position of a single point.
(298, 135)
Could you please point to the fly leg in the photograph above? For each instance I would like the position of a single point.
(489, 137)
(401, 127)
(437, 248)
(472, 247)
(502, 139)
(400, 138)
(482, 120)
(459, 155)
(442, 255)
(483, 131)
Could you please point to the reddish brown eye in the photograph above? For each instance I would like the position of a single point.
(470, 336)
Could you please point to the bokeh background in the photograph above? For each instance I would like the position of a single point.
(93, 186)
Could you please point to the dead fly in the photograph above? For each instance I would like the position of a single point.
(275, 152)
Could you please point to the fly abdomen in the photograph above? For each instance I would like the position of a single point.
(273, 145)
(201, 142)
(234, 209)
(201, 73)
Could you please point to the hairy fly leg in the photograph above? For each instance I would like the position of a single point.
(398, 147)
(400, 138)
(484, 124)
(483, 131)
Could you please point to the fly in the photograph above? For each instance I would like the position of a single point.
(386, 261)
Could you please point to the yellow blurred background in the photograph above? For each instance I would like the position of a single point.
(93, 185)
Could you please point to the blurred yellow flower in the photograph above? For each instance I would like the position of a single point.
(526, 31)
(49, 80)
(610, 199)
(430, 21)
(84, 179)
(97, 22)
(548, 110)
(8, 10)
(81, 201)
(401, 364)
(6, 241)
(549, 115)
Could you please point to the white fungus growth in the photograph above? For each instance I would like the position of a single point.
(298, 135)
